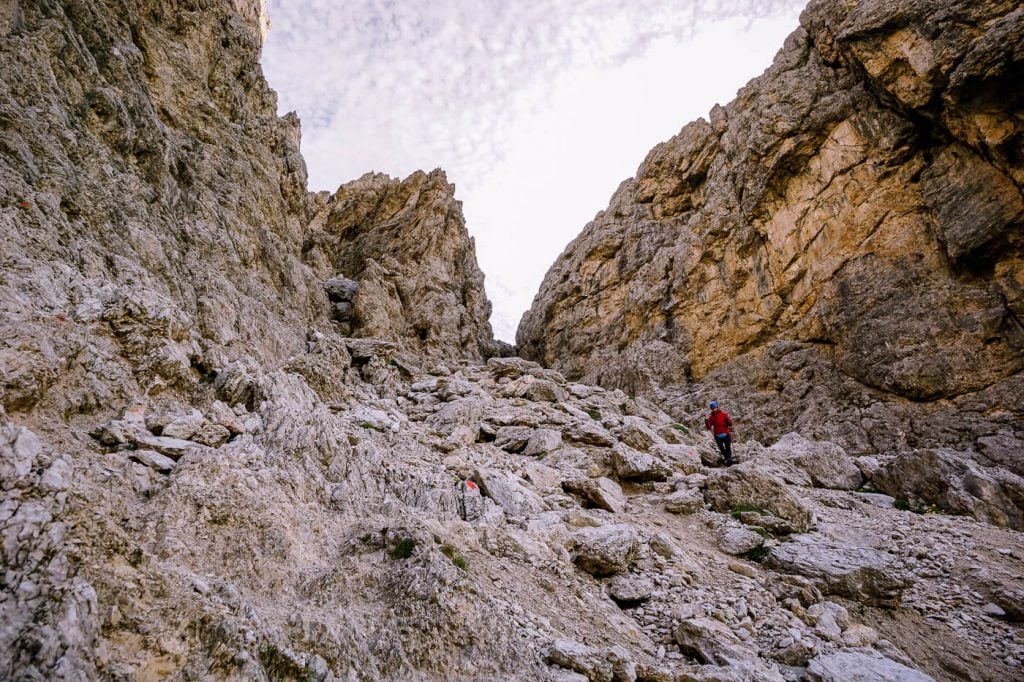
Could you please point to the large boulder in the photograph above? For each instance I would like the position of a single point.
(861, 665)
(606, 550)
(826, 465)
(739, 541)
(509, 492)
(712, 643)
(602, 493)
(859, 573)
(955, 483)
(746, 487)
(634, 465)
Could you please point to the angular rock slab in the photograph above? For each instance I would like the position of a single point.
(738, 541)
(746, 485)
(859, 573)
(826, 464)
(684, 502)
(606, 550)
(582, 659)
(861, 665)
(154, 460)
(602, 492)
(509, 492)
(634, 465)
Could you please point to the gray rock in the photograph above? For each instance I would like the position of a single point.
(213, 435)
(826, 464)
(509, 492)
(601, 492)
(589, 433)
(585, 660)
(956, 484)
(513, 438)
(859, 573)
(172, 447)
(637, 434)
(341, 288)
(684, 502)
(184, 426)
(630, 464)
(629, 589)
(737, 541)
(745, 485)
(119, 432)
(793, 587)
(606, 550)
(683, 458)
(154, 460)
(226, 417)
(711, 642)
(828, 619)
(860, 665)
(542, 442)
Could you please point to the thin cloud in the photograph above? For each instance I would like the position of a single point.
(441, 79)
(535, 109)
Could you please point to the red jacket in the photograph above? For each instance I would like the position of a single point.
(719, 422)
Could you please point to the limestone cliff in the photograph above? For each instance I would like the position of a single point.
(412, 264)
(839, 248)
(153, 204)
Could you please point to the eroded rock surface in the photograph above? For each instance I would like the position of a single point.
(837, 251)
(247, 432)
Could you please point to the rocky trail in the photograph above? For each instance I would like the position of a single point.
(491, 521)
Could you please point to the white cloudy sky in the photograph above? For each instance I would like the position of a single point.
(536, 109)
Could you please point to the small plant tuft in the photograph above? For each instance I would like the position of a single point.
(740, 508)
(903, 504)
(404, 548)
(371, 427)
(594, 414)
(680, 427)
(455, 556)
(757, 554)
(353, 439)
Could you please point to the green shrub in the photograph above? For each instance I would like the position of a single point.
(594, 414)
(404, 548)
(455, 557)
(757, 555)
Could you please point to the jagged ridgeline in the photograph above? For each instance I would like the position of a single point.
(250, 432)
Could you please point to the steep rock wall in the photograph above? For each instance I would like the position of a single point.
(153, 219)
(153, 204)
(405, 244)
(861, 199)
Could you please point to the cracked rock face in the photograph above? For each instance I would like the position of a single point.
(248, 433)
(841, 244)
(405, 246)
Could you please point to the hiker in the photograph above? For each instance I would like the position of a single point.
(721, 425)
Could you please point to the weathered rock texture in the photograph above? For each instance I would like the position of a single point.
(840, 245)
(153, 204)
(406, 246)
(246, 433)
